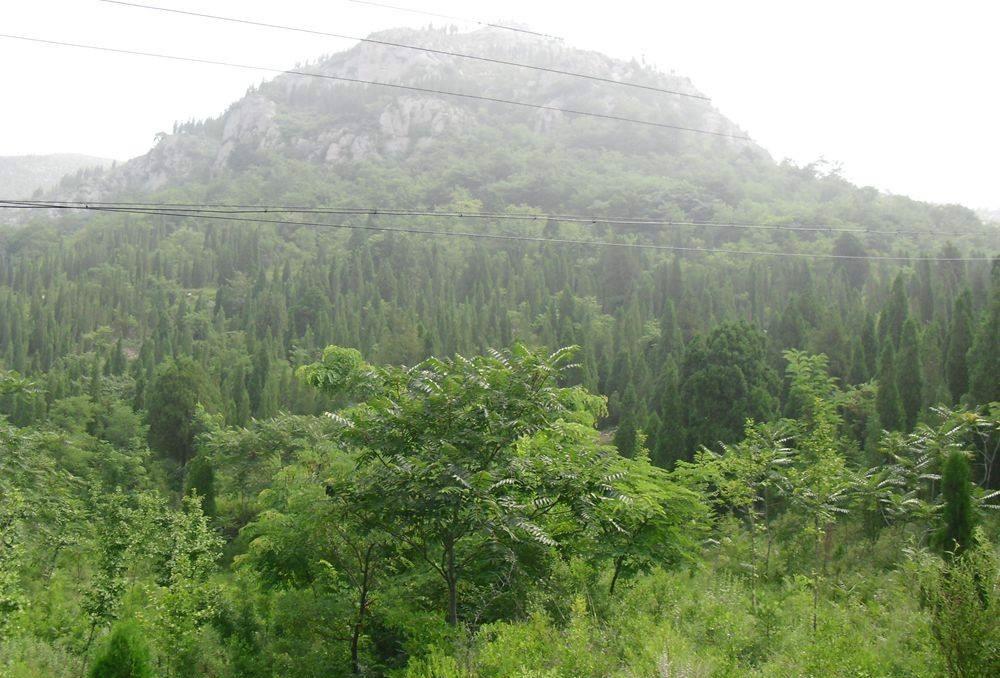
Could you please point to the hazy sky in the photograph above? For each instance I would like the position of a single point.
(904, 95)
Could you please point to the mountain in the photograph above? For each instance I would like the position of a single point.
(308, 140)
(23, 175)
(172, 495)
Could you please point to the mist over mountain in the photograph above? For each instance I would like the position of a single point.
(23, 175)
(330, 135)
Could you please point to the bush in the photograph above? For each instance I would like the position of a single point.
(124, 655)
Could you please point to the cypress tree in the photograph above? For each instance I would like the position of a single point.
(959, 519)
(893, 316)
(200, 479)
(887, 401)
(909, 375)
(870, 345)
(116, 365)
(959, 343)
(984, 356)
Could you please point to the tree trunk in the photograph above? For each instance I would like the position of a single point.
(359, 623)
(619, 561)
(816, 564)
(753, 559)
(452, 579)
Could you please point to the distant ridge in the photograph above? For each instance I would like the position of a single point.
(22, 175)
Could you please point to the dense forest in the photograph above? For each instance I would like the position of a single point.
(760, 436)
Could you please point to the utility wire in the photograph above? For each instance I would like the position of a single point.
(387, 43)
(504, 237)
(221, 208)
(453, 18)
(412, 88)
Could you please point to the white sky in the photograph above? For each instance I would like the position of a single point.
(903, 94)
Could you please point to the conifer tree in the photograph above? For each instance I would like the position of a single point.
(984, 356)
(909, 375)
(959, 343)
(200, 480)
(894, 314)
(887, 400)
(959, 519)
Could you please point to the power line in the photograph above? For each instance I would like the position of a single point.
(454, 18)
(190, 214)
(412, 88)
(388, 43)
(566, 218)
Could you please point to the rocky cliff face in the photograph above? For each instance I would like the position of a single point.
(331, 122)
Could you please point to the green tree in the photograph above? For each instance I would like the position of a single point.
(474, 457)
(959, 343)
(751, 477)
(887, 401)
(177, 390)
(963, 597)
(959, 516)
(125, 654)
(726, 380)
(200, 480)
(909, 374)
(984, 356)
(660, 523)
(894, 314)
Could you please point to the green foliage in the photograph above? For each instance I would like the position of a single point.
(725, 381)
(177, 390)
(125, 654)
(478, 459)
(887, 402)
(959, 518)
(963, 596)
(200, 481)
(984, 356)
(959, 343)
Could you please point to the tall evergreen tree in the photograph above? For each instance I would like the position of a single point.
(959, 517)
(894, 314)
(909, 374)
(984, 356)
(172, 401)
(959, 343)
(887, 400)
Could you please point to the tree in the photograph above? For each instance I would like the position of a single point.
(473, 458)
(887, 400)
(660, 523)
(959, 517)
(894, 314)
(909, 375)
(963, 596)
(200, 481)
(984, 356)
(726, 380)
(668, 439)
(750, 477)
(125, 654)
(959, 343)
(820, 484)
(854, 262)
(172, 403)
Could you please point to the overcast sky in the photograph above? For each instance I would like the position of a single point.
(904, 95)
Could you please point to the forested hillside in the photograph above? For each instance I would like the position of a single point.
(728, 416)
